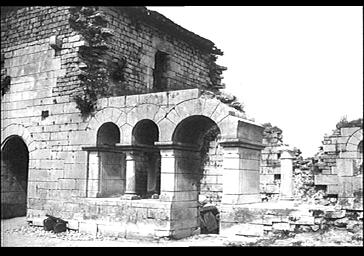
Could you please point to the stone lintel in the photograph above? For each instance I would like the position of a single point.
(121, 148)
(176, 145)
(102, 149)
(137, 147)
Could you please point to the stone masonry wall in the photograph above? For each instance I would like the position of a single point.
(138, 42)
(113, 217)
(270, 165)
(211, 182)
(134, 42)
(339, 165)
(42, 79)
(50, 126)
(40, 55)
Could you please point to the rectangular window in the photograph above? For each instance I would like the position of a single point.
(159, 73)
(277, 177)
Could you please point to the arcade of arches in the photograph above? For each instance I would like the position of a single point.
(142, 167)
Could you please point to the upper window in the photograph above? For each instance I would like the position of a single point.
(159, 73)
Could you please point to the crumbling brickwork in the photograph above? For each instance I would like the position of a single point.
(270, 175)
(339, 165)
(212, 178)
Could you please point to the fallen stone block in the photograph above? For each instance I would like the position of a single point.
(341, 223)
(281, 226)
(88, 228)
(72, 224)
(338, 214)
(305, 220)
(319, 220)
(304, 228)
(37, 222)
(315, 227)
(354, 226)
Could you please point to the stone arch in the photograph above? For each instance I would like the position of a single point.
(194, 135)
(149, 111)
(145, 132)
(21, 131)
(108, 134)
(354, 140)
(191, 129)
(105, 115)
(224, 116)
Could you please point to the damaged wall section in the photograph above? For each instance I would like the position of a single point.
(339, 165)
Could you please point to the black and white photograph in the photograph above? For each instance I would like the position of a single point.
(181, 126)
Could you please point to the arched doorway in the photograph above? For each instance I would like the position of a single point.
(147, 170)
(201, 167)
(14, 177)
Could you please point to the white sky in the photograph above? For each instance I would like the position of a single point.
(299, 68)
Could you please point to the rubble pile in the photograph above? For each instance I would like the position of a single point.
(303, 178)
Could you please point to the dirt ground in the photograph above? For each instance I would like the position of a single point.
(16, 232)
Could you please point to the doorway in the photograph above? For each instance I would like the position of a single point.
(14, 177)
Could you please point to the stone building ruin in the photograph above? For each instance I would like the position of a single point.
(336, 170)
(112, 118)
(270, 164)
(339, 165)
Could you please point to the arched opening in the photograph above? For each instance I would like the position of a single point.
(148, 164)
(111, 163)
(145, 132)
(14, 177)
(108, 134)
(202, 167)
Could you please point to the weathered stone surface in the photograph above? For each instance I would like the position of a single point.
(88, 227)
(281, 226)
(342, 222)
(68, 173)
(335, 214)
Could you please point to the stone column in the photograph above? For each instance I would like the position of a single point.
(130, 175)
(286, 188)
(241, 172)
(168, 163)
(93, 179)
(241, 162)
(179, 165)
